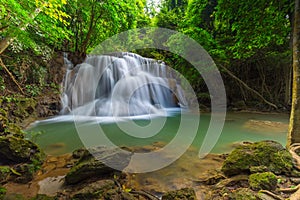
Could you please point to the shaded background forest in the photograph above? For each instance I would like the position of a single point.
(248, 40)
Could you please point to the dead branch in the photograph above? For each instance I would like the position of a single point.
(295, 196)
(247, 87)
(267, 192)
(227, 181)
(289, 190)
(11, 76)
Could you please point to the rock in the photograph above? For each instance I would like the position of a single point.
(17, 150)
(182, 194)
(95, 190)
(295, 180)
(51, 185)
(98, 164)
(243, 193)
(79, 153)
(14, 197)
(258, 169)
(270, 126)
(213, 178)
(43, 197)
(263, 181)
(23, 173)
(267, 154)
(103, 189)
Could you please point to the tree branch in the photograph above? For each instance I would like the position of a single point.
(11, 76)
(247, 87)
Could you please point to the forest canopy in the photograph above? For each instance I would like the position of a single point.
(251, 39)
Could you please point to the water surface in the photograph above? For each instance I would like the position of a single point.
(58, 136)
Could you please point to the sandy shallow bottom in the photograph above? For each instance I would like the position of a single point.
(182, 173)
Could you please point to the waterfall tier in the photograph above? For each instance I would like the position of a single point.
(123, 84)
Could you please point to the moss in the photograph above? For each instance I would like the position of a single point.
(90, 167)
(43, 197)
(265, 155)
(23, 173)
(263, 181)
(97, 190)
(185, 194)
(18, 150)
(4, 173)
(243, 194)
(17, 108)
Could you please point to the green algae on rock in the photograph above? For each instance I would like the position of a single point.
(243, 194)
(17, 150)
(269, 155)
(263, 181)
(25, 156)
(182, 194)
(97, 164)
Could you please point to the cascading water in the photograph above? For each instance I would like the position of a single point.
(121, 84)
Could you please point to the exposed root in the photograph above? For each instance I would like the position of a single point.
(267, 192)
(293, 148)
(295, 196)
(289, 190)
(227, 181)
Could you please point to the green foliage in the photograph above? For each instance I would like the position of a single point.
(92, 21)
(24, 20)
(2, 192)
(267, 24)
(171, 14)
(33, 90)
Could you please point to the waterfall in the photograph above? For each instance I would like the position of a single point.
(120, 84)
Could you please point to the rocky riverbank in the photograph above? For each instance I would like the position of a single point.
(261, 170)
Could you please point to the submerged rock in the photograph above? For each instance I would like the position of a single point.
(182, 194)
(263, 125)
(268, 155)
(101, 163)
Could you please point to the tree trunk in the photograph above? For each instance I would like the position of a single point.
(294, 126)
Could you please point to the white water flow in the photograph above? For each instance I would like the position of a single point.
(121, 84)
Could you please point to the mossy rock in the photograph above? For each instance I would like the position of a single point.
(23, 173)
(17, 150)
(182, 194)
(263, 181)
(4, 173)
(267, 155)
(95, 190)
(98, 164)
(43, 197)
(243, 194)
